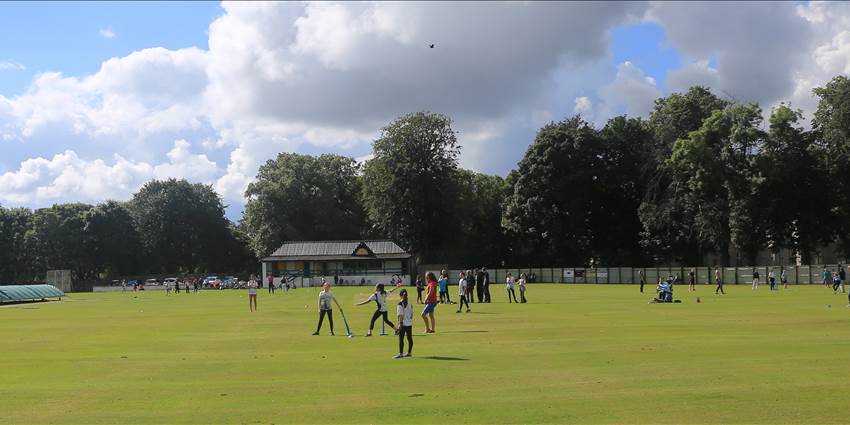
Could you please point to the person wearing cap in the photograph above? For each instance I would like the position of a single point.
(405, 325)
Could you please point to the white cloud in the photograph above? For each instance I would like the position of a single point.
(11, 66)
(583, 105)
(41, 181)
(106, 33)
(320, 77)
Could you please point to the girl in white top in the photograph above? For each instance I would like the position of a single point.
(404, 311)
(252, 295)
(509, 285)
(521, 285)
(380, 299)
(325, 307)
(462, 292)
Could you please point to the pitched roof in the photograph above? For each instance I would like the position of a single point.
(330, 250)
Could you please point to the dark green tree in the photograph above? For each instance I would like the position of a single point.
(668, 225)
(113, 240)
(301, 197)
(409, 187)
(831, 127)
(181, 226)
(480, 239)
(795, 188)
(16, 258)
(58, 240)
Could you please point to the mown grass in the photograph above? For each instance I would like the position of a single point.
(577, 353)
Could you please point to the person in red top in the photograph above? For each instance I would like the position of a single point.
(430, 302)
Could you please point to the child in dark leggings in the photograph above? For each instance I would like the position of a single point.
(326, 308)
(405, 326)
(380, 299)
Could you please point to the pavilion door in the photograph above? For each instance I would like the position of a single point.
(307, 268)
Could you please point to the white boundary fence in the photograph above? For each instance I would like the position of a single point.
(796, 275)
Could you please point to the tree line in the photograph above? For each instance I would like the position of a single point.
(701, 175)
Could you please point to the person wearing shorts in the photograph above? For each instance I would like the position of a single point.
(252, 295)
(430, 303)
(404, 311)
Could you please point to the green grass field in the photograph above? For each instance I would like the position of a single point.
(574, 354)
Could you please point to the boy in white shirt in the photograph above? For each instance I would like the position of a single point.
(405, 325)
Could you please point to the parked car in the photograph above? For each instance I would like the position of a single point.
(230, 282)
(211, 282)
(153, 282)
(170, 281)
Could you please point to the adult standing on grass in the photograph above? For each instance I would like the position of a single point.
(325, 307)
(380, 299)
(783, 278)
(470, 286)
(404, 311)
(430, 303)
(771, 279)
(252, 295)
(271, 287)
(642, 276)
(841, 276)
(486, 286)
(509, 286)
(755, 278)
(177, 287)
(692, 280)
(479, 285)
(462, 292)
(521, 285)
(718, 278)
(420, 287)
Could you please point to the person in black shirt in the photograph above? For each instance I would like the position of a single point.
(486, 286)
(479, 285)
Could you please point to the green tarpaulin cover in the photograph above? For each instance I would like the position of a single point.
(28, 292)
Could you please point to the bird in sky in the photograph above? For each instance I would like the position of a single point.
(431, 46)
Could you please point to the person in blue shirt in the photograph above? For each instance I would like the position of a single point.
(444, 288)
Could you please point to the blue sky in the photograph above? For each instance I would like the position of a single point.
(65, 36)
(209, 91)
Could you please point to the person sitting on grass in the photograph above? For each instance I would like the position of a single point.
(380, 299)
(665, 292)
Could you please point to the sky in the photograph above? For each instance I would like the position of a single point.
(98, 98)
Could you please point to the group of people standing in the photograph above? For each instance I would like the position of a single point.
(477, 282)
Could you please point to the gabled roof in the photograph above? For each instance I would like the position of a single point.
(336, 250)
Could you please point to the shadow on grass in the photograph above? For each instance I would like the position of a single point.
(463, 332)
(444, 358)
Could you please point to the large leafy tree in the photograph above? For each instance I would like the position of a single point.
(58, 240)
(554, 199)
(409, 188)
(715, 169)
(831, 126)
(795, 188)
(668, 223)
(181, 226)
(301, 197)
(113, 241)
(16, 258)
(480, 240)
